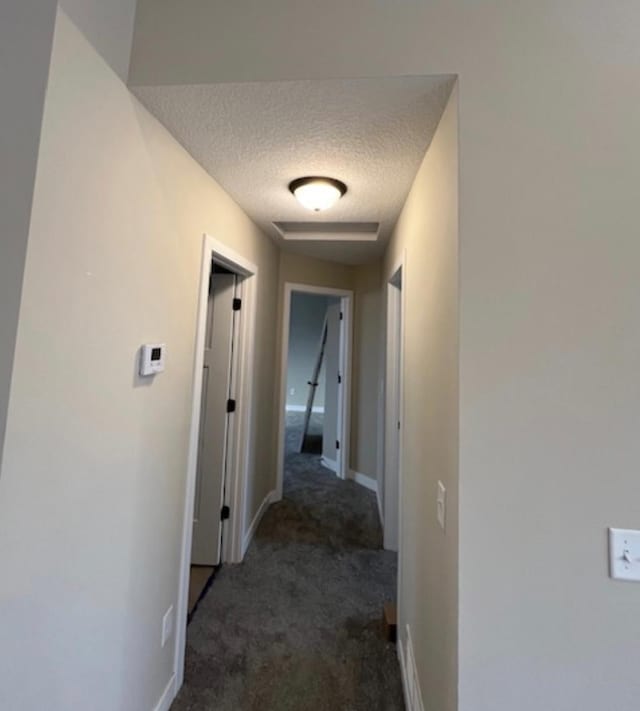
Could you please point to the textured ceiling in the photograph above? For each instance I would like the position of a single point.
(254, 138)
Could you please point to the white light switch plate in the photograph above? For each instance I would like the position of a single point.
(441, 503)
(624, 554)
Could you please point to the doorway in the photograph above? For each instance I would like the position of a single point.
(329, 363)
(210, 512)
(393, 411)
(220, 433)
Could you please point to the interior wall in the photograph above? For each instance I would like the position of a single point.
(108, 27)
(314, 272)
(426, 236)
(367, 385)
(549, 402)
(308, 312)
(93, 478)
(26, 34)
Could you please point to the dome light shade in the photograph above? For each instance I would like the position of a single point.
(317, 193)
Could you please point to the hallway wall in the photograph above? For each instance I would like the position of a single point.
(26, 34)
(93, 477)
(427, 236)
(368, 352)
(549, 300)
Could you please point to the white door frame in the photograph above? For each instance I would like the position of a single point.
(240, 434)
(344, 404)
(394, 405)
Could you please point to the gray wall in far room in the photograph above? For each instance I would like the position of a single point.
(305, 330)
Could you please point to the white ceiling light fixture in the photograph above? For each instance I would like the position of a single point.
(317, 193)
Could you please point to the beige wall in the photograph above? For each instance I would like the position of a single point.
(426, 236)
(93, 478)
(315, 272)
(368, 348)
(26, 33)
(549, 298)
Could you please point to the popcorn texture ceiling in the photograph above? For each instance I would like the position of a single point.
(254, 138)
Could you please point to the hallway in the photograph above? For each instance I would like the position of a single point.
(297, 625)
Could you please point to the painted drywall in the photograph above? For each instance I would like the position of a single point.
(426, 236)
(93, 477)
(306, 322)
(549, 298)
(300, 269)
(368, 348)
(108, 27)
(330, 434)
(26, 33)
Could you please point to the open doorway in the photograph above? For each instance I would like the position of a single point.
(210, 512)
(214, 521)
(315, 376)
(393, 412)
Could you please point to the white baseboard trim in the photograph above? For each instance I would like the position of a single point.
(256, 521)
(409, 673)
(364, 480)
(168, 695)
(302, 408)
(329, 463)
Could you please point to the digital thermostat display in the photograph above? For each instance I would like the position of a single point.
(152, 358)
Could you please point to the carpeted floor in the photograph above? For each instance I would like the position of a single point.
(297, 626)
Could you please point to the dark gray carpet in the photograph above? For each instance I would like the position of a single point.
(297, 626)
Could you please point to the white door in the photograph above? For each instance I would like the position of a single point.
(331, 421)
(212, 445)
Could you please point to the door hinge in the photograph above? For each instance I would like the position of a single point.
(337, 444)
(231, 405)
(339, 378)
(237, 304)
(341, 315)
(225, 513)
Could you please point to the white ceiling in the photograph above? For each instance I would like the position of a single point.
(254, 138)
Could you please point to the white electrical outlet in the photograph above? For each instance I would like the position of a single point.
(292, 391)
(167, 625)
(441, 504)
(624, 554)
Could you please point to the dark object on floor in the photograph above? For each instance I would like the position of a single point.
(296, 627)
(312, 444)
(390, 621)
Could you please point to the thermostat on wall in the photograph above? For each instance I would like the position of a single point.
(152, 358)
